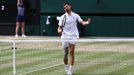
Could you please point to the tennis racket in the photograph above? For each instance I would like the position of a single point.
(63, 22)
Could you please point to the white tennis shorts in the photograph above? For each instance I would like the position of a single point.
(67, 41)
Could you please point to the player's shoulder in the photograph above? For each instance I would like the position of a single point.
(63, 15)
(75, 14)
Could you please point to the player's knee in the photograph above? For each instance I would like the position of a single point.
(71, 53)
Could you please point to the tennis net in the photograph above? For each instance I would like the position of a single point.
(45, 57)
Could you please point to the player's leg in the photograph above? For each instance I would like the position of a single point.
(72, 48)
(16, 29)
(66, 58)
(65, 46)
(66, 55)
(23, 29)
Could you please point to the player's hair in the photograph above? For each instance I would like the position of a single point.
(66, 3)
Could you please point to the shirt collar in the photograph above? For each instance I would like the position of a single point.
(68, 14)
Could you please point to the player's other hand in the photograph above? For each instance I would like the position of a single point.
(86, 22)
(59, 30)
(89, 20)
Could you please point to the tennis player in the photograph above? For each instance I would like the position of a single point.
(20, 18)
(69, 33)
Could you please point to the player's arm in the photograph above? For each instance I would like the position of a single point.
(82, 21)
(85, 22)
(59, 29)
(60, 25)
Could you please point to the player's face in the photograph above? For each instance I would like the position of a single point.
(67, 7)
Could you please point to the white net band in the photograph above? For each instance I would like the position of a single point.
(79, 40)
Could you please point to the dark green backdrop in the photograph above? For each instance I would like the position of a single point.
(109, 17)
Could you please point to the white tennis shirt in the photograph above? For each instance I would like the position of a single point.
(70, 29)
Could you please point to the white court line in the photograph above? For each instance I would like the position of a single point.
(40, 69)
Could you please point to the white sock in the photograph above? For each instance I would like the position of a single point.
(71, 68)
(66, 67)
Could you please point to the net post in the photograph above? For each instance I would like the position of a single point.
(14, 59)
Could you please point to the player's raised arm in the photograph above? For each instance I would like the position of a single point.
(85, 22)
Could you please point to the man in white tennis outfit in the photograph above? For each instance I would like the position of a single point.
(69, 32)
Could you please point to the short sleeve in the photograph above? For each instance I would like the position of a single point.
(60, 21)
(79, 18)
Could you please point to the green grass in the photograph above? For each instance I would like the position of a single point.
(46, 60)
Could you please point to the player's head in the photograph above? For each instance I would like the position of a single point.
(67, 7)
